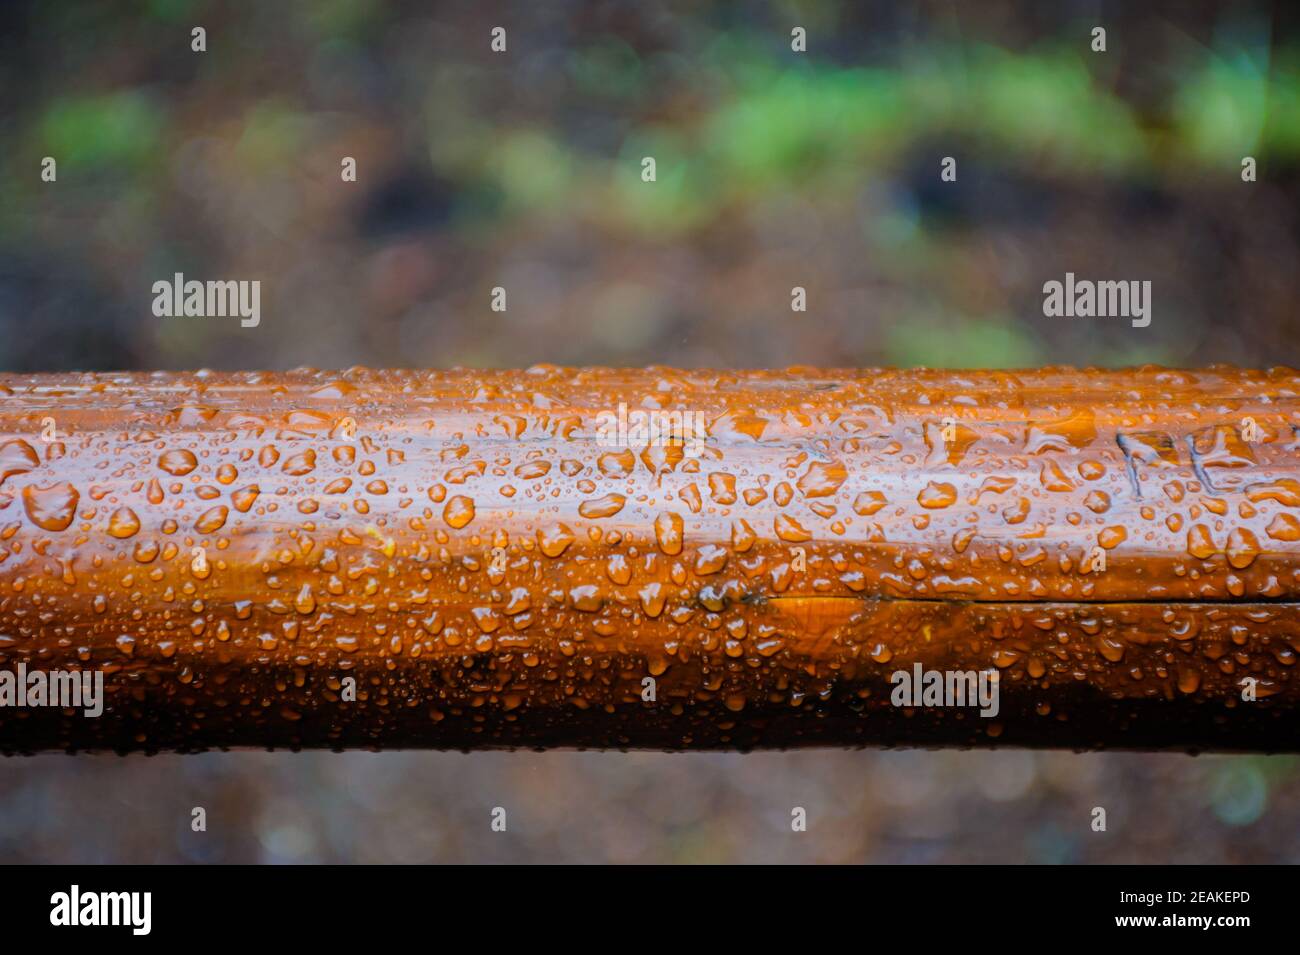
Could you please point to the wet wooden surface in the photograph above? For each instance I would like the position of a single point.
(487, 568)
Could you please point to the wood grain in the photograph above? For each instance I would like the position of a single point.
(231, 550)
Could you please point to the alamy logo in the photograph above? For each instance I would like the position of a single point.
(193, 299)
(1083, 298)
(922, 687)
(75, 907)
(61, 689)
(638, 429)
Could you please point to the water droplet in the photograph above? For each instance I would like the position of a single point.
(459, 511)
(51, 507)
(822, 479)
(1243, 548)
(178, 462)
(788, 529)
(212, 519)
(1284, 527)
(669, 532)
(1111, 537)
(243, 498)
(606, 506)
(123, 523)
(868, 503)
(1199, 542)
(16, 457)
(554, 540)
(618, 569)
(936, 495)
(300, 464)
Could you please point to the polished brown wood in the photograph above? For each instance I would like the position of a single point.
(466, 559)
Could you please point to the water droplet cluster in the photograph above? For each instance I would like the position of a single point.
(453, 559)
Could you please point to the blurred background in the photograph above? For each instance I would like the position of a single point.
(522, 170)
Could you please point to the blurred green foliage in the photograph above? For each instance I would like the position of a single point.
(120, 131)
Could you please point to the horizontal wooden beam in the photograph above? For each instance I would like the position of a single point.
(653, 558)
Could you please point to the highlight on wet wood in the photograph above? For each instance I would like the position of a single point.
(651, 558)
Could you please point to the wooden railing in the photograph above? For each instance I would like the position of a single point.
(653, 558)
